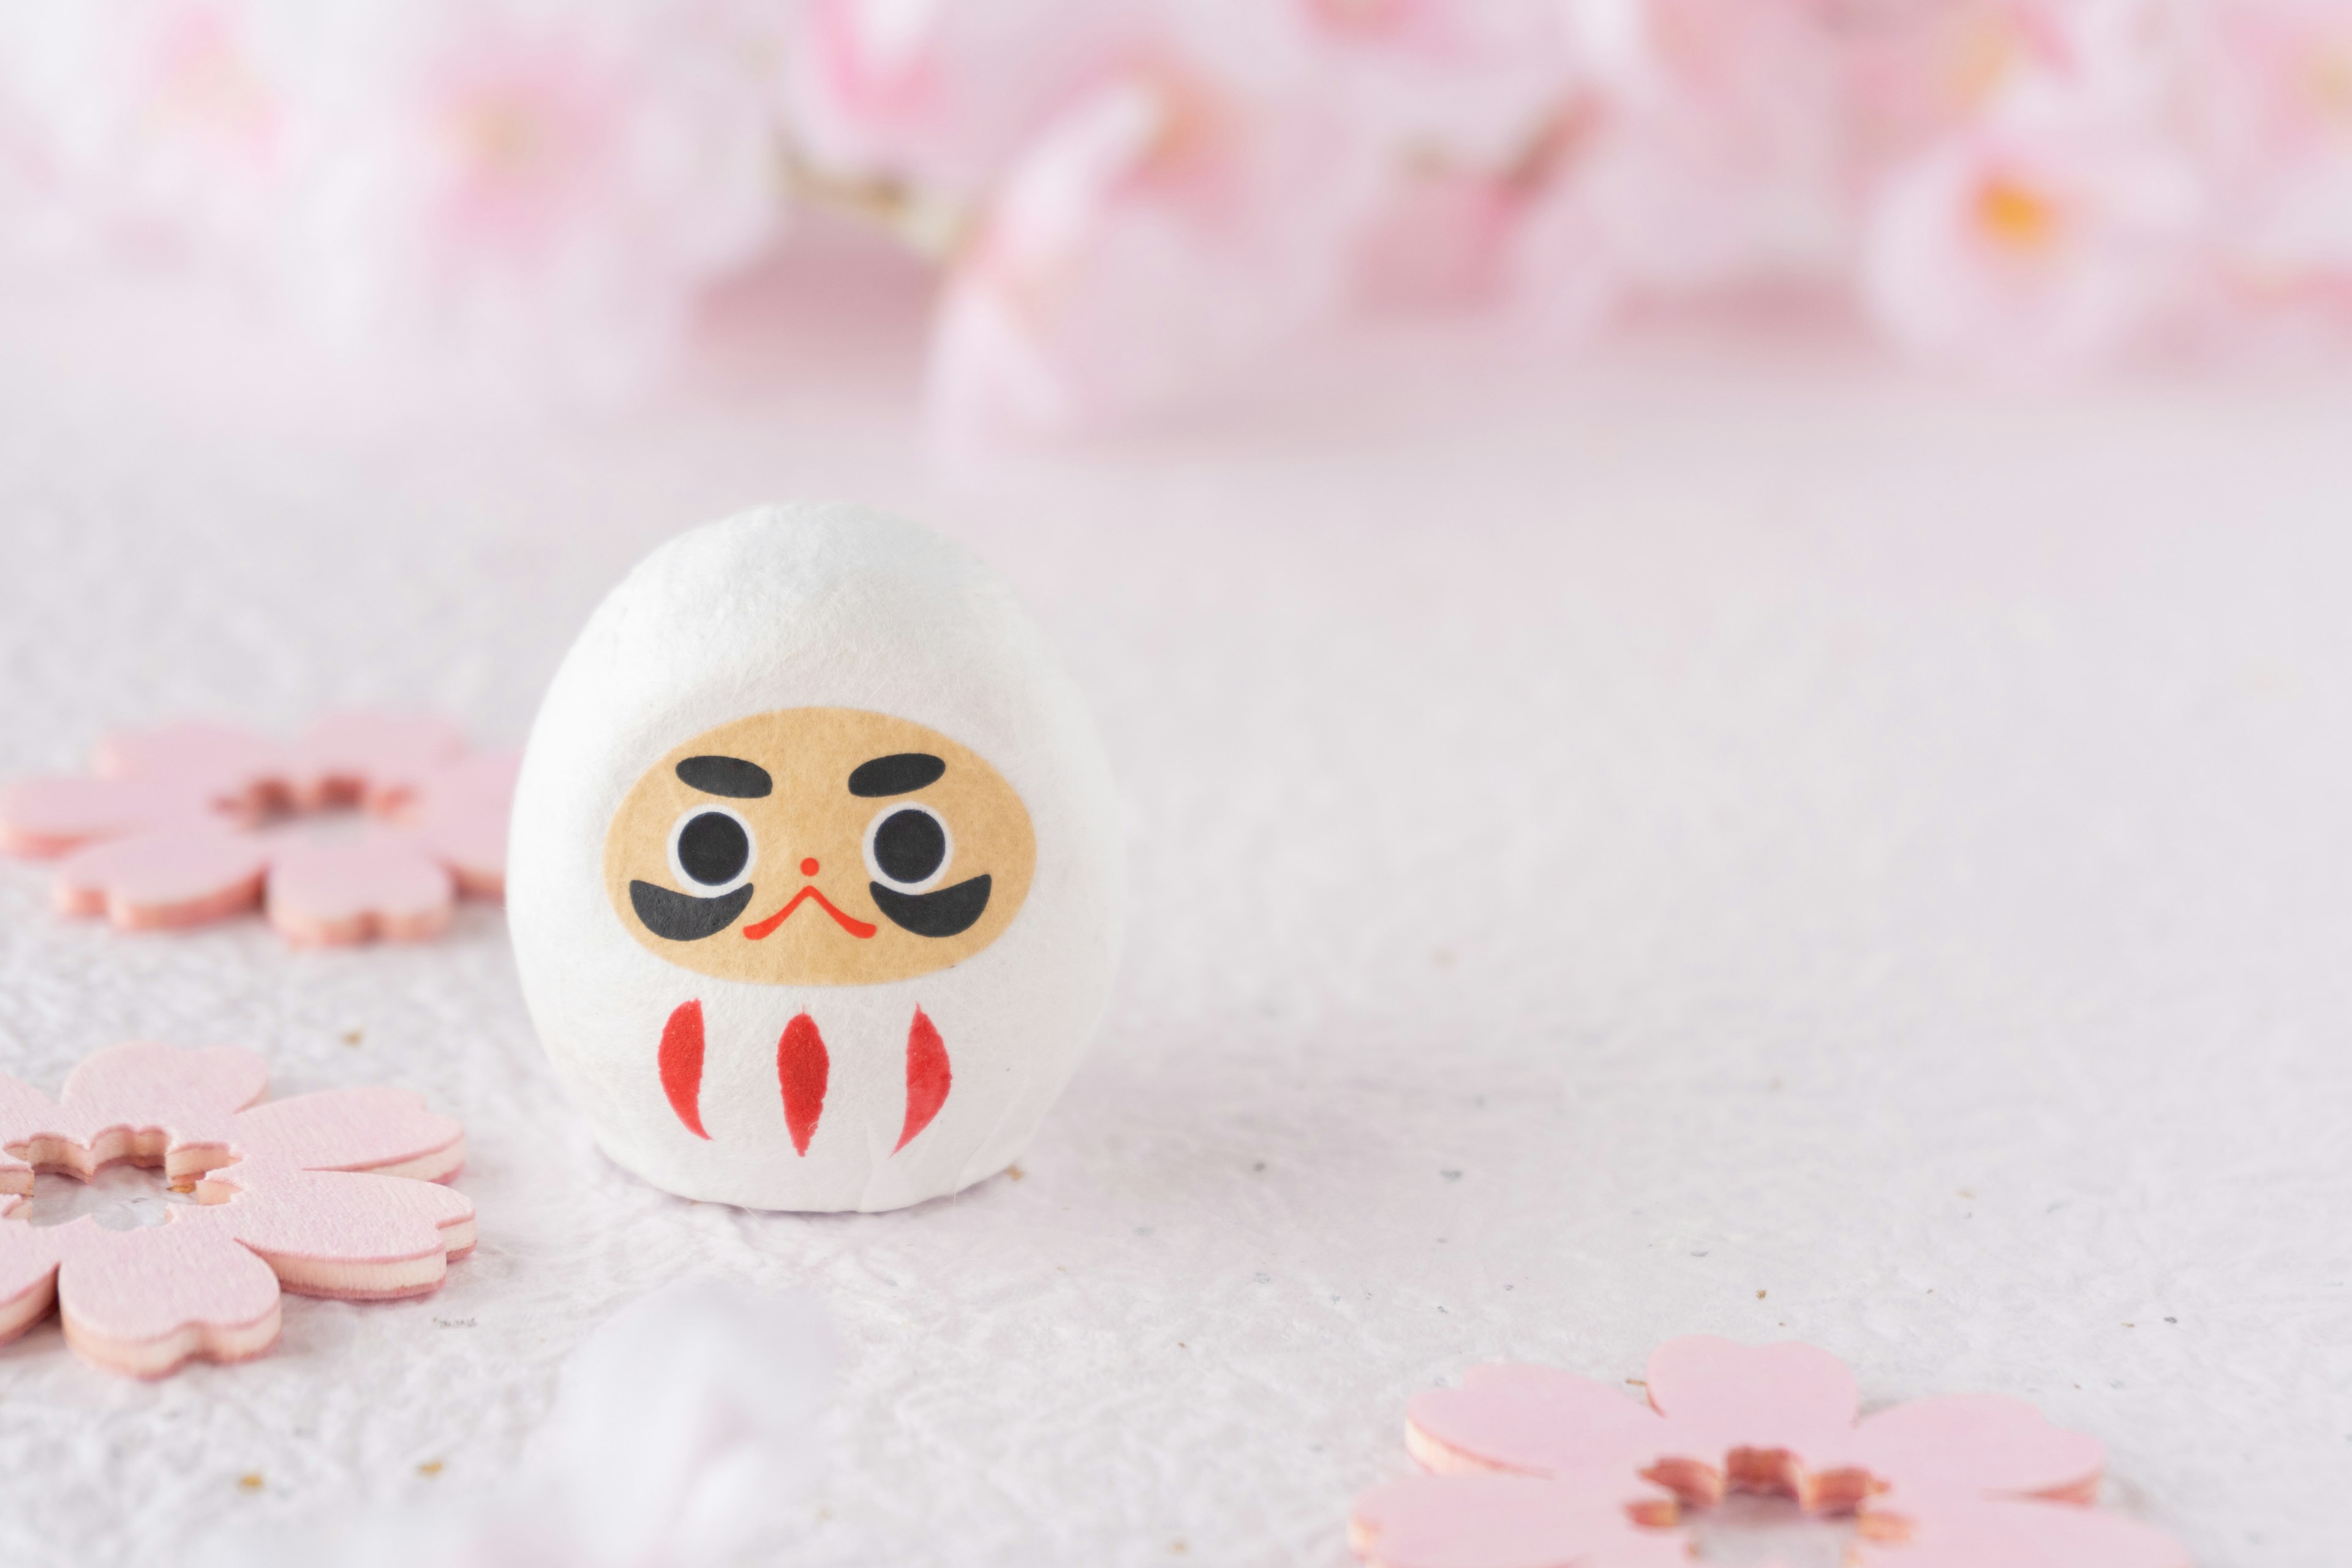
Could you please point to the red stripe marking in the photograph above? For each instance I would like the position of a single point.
(681, 1065)
(927, 1077)
(801, 1069)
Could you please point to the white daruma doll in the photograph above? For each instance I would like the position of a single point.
(815, 873)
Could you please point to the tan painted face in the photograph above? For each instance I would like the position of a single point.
(819, 846)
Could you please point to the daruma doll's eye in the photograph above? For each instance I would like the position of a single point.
(710, 849)
(907, 847)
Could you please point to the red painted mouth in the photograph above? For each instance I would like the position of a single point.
(849, 923)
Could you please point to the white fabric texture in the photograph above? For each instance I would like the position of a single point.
(1617, 852)
(814, 607)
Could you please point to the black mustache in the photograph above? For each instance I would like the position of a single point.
(682, 917)
(943, 911)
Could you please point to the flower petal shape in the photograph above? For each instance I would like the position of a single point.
(1986, 1445)
(373, 1128)
(1536, 1421)
(206, 1282)
(1750, 1417)
(1539, 1468)
(357, 1235)
(366, 757)
(2015, 1533)
(154, 1103)
(460, 812)
(25, 1112)
(382, 885)
(168, 832)
(164, 878)
(222, 764)
(28, 1272)
(145, 1301)
(41, 817)
(1502, 1521)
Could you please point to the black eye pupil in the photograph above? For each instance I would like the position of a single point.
(713, 849)
(909, 846)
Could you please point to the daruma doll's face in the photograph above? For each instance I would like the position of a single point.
(819, 846)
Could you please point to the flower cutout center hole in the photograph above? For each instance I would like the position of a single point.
(119, 1197)
(1747, 1528)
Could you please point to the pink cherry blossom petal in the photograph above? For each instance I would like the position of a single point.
(188, 833)
(29, 1271)
(156, 1102)
(335, 893)
(358, 1234)
(45, 817)
(938, 97)
(1987, 1444)
(2034, 242)
(1933, 1484)
(1502, 1521)
(226, 766)
(486, 776)
(165, 878)
(371, 757)
(24, 1113)
(147, 1300)
(206, 1281)
(1539, 1421)
(1719, 1394)
(372, 1129)
(1167, 226)
(460, 814)
(1966, 1532)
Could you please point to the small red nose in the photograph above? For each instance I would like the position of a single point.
(808, 868)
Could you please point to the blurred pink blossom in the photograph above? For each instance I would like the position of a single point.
(160, 126)
(1164, 227)
(939, 97)
(1129, 200)
(2276, 101)
(2037, 243)
(539, 190)
(1718, 158)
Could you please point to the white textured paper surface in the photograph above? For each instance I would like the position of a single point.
(1616, 854)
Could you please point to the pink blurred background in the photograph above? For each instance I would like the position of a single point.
(1102, 210)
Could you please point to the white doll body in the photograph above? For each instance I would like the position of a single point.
(814, 877)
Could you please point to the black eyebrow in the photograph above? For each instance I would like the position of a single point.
(731, 776)
(901, 774)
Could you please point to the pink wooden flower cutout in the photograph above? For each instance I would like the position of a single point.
(326, 1194)
(1536, 1468)
(190, 822)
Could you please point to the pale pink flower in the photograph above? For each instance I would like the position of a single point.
(1523, 239)
(2044, 239)
(330, 1193)
(1460, 105)
(161, 126)
(1443, 238)
(1718, 156)
(1538, 1467)
(1164, 229)
(533, 191)
(1912, 73)
(933, 101)
(1461, 84)
(2274, 95)
(189, 823)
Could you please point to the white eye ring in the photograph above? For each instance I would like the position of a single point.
(947, 858)
(678, 867)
